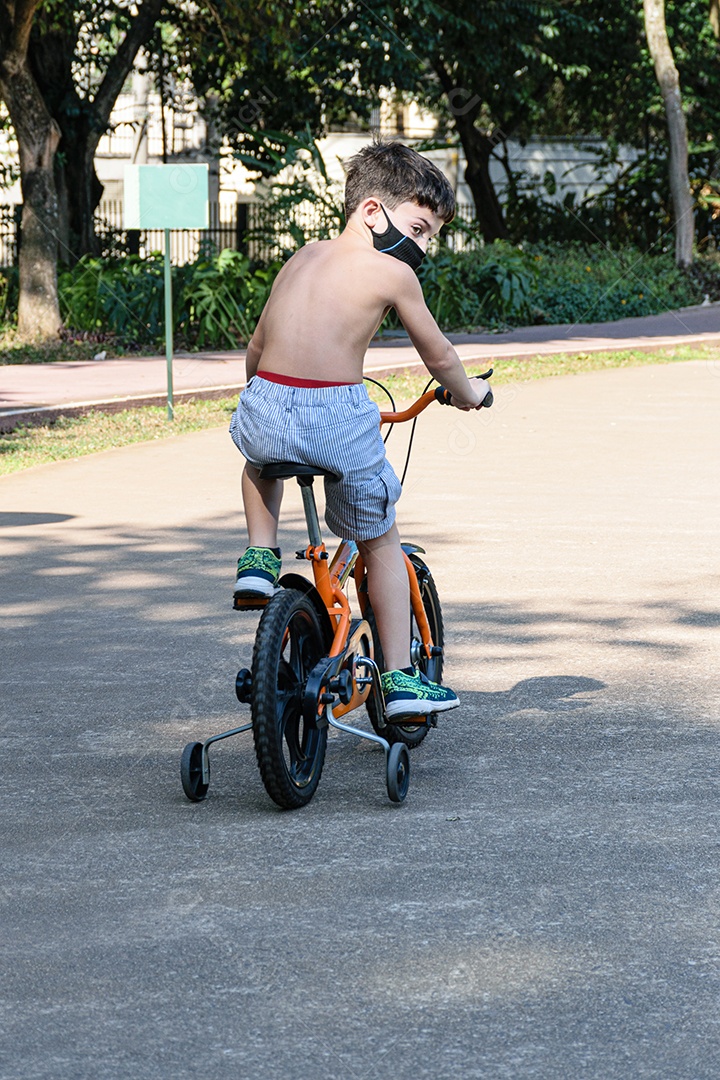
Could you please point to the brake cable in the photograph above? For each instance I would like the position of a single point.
(412, 429)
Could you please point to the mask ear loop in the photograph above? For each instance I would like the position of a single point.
(388, 224)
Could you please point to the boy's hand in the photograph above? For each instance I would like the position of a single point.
(482, 394)
(481, 391)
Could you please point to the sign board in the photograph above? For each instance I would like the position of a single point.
(165, 197)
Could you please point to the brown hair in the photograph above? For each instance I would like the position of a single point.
(397, 174)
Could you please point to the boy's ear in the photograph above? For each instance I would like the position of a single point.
(371, 211)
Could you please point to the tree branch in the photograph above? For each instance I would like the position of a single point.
(15, 25)
(120, 66)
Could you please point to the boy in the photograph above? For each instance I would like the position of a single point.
(305, 400)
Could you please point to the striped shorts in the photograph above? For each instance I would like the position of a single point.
(334, 427)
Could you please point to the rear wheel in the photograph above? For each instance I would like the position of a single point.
(290, 752)
(412, 734)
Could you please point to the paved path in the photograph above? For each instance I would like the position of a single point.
(35, 391)
(544, 904)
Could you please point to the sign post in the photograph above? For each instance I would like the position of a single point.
(166, 197)
(169, 328)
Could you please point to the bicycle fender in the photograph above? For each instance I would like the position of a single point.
(301, 584)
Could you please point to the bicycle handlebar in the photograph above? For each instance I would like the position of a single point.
(438, 394)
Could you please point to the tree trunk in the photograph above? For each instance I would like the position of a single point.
(488, 211)
(51, 56)
(38, 137)
(477, 147)
(83, 121)
(669, 82)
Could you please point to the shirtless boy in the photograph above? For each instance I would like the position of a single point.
(305, 400)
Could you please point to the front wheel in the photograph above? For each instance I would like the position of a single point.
(290, 752)
(412, 734)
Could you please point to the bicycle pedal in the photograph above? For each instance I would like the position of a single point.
(409, 718)
(254, 604)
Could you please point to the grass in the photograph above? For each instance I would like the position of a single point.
(406, 387)
(73, 437)
(13, 351)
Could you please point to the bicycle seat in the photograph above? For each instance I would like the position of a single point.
(283, 470)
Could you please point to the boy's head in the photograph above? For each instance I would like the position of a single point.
(396, 174)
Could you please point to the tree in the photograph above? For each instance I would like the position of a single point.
(81, 54)
(38, 136)
(620, 102)
(62, 66)
(487, 72)
(669, 82)
(331, 61)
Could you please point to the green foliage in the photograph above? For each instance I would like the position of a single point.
(581, 283)
(501, 286)
(220, 300)
(216, 300)
(492, 287)
(506, 284)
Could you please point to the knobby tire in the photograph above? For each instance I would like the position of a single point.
(290, 753)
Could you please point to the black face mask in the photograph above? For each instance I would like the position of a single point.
(396, 243)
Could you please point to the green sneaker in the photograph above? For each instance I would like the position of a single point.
(414, 695)
(258, 572)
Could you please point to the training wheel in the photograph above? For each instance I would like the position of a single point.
(398, 772)
(191, 772)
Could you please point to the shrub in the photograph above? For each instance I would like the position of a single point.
(588, 283)
(216, 300)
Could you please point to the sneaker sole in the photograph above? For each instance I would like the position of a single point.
(418, 708)
(251, 587)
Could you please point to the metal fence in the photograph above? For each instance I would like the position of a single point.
(253, 228)
(226, 229)
(9, 228)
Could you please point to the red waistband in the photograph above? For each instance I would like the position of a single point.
(289, 380)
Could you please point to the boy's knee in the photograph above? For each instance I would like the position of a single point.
(391, 537)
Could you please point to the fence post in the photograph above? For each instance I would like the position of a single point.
(241, 227)
(17, 215)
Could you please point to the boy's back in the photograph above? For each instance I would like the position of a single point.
(330, 298)
(326, 304)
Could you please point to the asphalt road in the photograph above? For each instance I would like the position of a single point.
(544, 904)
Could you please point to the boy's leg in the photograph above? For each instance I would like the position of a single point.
(389, 593)
(261, 499)
(407, 692)
(259, 568)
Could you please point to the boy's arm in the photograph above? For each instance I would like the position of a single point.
(255, 348)
(435, 350)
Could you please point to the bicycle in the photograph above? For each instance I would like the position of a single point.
(313, 663)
